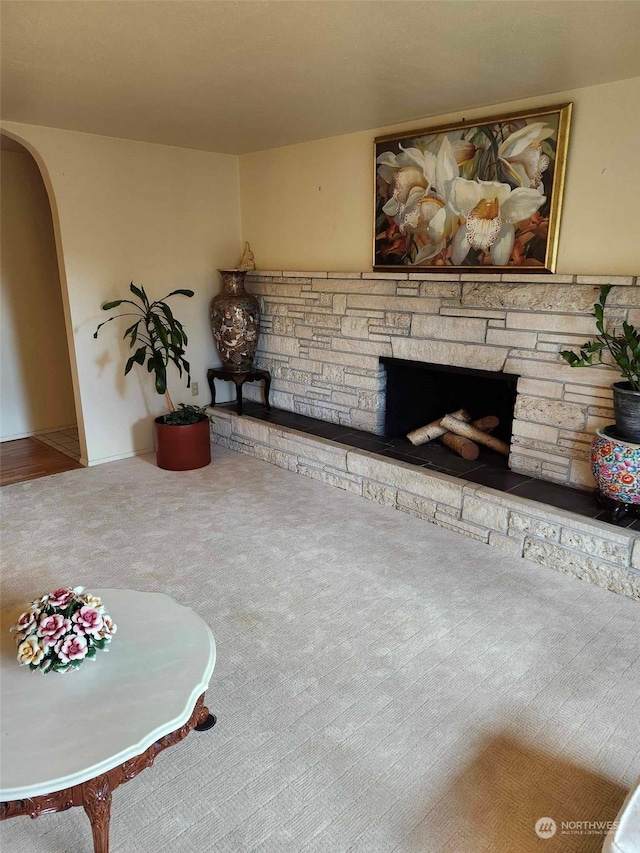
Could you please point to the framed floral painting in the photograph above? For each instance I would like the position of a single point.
(475, 195)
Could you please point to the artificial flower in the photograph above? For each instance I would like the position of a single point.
(26, 620)
(60, 598)
(108, 628)
(51, 628)
(94, 601)
(73, 647)
(31, 651)
(88, 620)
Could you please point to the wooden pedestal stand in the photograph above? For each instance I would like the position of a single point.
(239, 378)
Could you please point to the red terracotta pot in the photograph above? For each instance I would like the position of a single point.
(182, 448)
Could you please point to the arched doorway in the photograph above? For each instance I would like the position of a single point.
(37, 400)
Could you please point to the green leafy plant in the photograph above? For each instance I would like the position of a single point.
(623, 349)
(160, 337)
(184, 415)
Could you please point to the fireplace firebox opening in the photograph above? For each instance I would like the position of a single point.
(418, 393)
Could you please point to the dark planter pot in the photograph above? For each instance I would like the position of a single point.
(626, 408)
(182, 448)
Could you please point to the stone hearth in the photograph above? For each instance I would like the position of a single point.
(587, 548)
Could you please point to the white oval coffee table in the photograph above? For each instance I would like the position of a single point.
(70, 740)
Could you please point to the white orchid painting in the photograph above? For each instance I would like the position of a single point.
(472, 195)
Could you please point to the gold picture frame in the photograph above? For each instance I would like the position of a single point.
(480, 195)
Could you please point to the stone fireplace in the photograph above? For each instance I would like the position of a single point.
(324, 334)
(329, 339)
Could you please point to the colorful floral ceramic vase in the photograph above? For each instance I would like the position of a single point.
(235, 322)
(615, 463)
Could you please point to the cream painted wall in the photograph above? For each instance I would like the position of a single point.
(310, 206)
(164, 217)
(36, 394)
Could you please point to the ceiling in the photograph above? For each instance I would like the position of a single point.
(243, 76)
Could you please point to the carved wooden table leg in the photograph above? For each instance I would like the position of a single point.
(205, 720)
(96, 799)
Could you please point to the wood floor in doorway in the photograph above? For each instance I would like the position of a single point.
(27, 459)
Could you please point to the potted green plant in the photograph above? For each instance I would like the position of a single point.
(623, 350)
(615, 452)
(182, 435)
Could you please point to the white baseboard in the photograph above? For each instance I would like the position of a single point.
(104, 459)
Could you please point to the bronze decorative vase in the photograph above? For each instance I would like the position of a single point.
(235, 322)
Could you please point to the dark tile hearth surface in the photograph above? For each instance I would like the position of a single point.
(491, 469)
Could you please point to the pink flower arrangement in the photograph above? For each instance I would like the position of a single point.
(62, 629)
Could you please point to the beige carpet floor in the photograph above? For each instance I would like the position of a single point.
(382, 686)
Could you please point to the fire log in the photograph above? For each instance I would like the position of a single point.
(459, 444)
(468, 431)
(486, 424)
(433, 430)
(465, 447)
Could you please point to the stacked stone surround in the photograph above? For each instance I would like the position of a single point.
(323, 333)
(594, 551)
